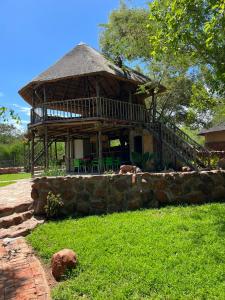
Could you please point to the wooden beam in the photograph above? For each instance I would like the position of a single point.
(100, 150)
(32, 152)
(46, 147)
(68, 151)
(56, 153)
(153, 106)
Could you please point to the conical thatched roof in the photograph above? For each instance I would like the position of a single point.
(81, 61)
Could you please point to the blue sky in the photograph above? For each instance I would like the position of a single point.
(36, 33)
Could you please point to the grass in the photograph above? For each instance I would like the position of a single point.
(8, 177)
(5, 183)
(170, 253)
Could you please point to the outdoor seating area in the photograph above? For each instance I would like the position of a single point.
(96, 165)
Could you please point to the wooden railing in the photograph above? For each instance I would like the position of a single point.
(88, 108)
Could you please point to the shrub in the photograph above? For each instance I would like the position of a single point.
(54, 171)
(141, 159)
(53, 205)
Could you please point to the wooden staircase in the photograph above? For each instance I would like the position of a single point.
(184, 148)
(39, 151)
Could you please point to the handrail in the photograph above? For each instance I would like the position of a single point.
(182, 134)
(86, 108)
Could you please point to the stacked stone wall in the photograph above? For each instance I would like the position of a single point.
(84, 195)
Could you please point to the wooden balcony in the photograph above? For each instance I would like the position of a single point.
(90, 109)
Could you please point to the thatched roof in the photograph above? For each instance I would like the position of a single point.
(216, 128)
(79, 62)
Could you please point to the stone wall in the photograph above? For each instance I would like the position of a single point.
(11, 170)
(84, 195)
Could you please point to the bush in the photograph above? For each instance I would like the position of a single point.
(54, 171)
(54, 203)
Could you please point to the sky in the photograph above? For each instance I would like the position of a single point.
(34, 34)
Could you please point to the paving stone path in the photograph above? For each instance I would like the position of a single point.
(15, 195)
(21, 274)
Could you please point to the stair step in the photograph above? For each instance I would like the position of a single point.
(22, 229)
(15, 219)
(19, 208)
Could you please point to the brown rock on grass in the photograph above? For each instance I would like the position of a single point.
(61, 261)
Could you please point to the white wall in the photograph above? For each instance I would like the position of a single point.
(79, 149)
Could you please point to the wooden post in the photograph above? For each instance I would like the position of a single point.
(130, 107)
(56, 154)
(153, 106)
(100, 150)
(131, 144)
(160, 146)
(44, 108)
(32, 153)
(97, 87)
(68, 151)
(46, 147)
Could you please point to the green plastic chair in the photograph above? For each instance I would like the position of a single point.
(95, 164)
(77, 164)
(117, 162)
(109, 163)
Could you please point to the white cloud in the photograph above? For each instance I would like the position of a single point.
(22, 109)
(21, 126)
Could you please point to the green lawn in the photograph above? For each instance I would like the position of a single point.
(5, 183)
(171, 253)
(8, 177)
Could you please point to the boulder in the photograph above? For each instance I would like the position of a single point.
(129, 169)
(61, 261)
(185, 169)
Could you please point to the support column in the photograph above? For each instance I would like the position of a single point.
(100, 150)
(32, 153)
(153, 106)
(46, 147)
(56, 154)
(68, 152)
(131, 143)
(97, 88)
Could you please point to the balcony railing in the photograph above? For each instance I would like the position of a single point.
(90, 108)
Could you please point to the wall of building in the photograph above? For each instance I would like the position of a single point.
(215, 140)
(215, 137)
(148, 145)
(86, 195)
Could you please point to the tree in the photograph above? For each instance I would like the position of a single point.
(127, 35)
(130, 26)
(191, 31)
(6, 114)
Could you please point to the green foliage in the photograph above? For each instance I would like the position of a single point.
(166, 253)
(193, 133)
(141, 159)
(187, 99)
(11, 145)
(54, 170)
(6, 114)
(53, 205)
(130, 26)
(191, 31)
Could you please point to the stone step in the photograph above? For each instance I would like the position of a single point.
(17, 208)
(21, 229)
(15, 219)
